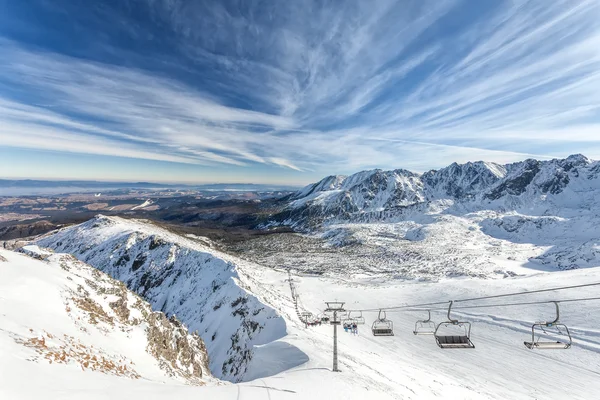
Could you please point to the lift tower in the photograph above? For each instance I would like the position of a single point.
(335, 307)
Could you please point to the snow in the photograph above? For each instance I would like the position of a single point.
(183, 277)
(290, 361)
(499, 367)
(401, 366)
(47, 336)
(368, 190)
(143, 205)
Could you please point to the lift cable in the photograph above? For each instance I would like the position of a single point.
(478, 298)
(529, 292)
(501, 305)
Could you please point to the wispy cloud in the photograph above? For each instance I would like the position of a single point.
(318, 86)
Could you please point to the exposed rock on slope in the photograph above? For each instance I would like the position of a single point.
(63, 311)
(462, 181)
(180, 277)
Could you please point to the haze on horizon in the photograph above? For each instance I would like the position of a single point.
(288, 92)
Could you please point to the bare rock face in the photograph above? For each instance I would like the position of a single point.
(26, 230)
(178, 351)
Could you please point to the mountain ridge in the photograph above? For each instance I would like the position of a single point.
(472, 185)
(206, 289)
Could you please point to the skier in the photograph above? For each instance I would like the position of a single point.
(354, 328)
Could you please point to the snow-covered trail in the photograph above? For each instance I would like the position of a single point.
(500, 367)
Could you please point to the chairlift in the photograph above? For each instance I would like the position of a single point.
(345, 317)
(543, 329)
(425, 326)
(360, 320)
(323, 317)
(353, 320)
(382, 326)
(456, 341)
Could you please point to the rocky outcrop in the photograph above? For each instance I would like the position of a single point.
(462, 181)
(177, 351)
(26, 230)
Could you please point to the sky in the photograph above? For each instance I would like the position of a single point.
(287, 92)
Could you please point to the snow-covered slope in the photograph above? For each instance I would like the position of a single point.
(500, 366)
(204, 288)
(403, 366)
(63, 316)
(343, 196)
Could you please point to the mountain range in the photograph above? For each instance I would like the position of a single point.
(552, 187)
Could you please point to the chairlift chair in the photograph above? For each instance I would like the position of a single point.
(460, 341)
(346, 319)
(542, 327)
(323, 317)
(425, 326)
(382, 326)
(360, 320)
(353, 320)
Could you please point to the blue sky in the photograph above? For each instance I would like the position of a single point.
(290, 91)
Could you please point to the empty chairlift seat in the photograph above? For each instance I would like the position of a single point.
(360, 320)
(453, 334)
(456, 341)
(550, 335)
(382, 326)
(425, 326)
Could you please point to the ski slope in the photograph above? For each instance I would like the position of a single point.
(499, 367)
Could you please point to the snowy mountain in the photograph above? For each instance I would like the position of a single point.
(375, 239)
(180, 276)
(379, 195)
(59, 315)
(462, 181)
(344, 196)
(462, 220)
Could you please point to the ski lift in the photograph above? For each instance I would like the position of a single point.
(354, 320)
(323, 317)
(542, 328)
(460, 341)
(360, 320)
(425, 326)
(346, 319)
(382, 326)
